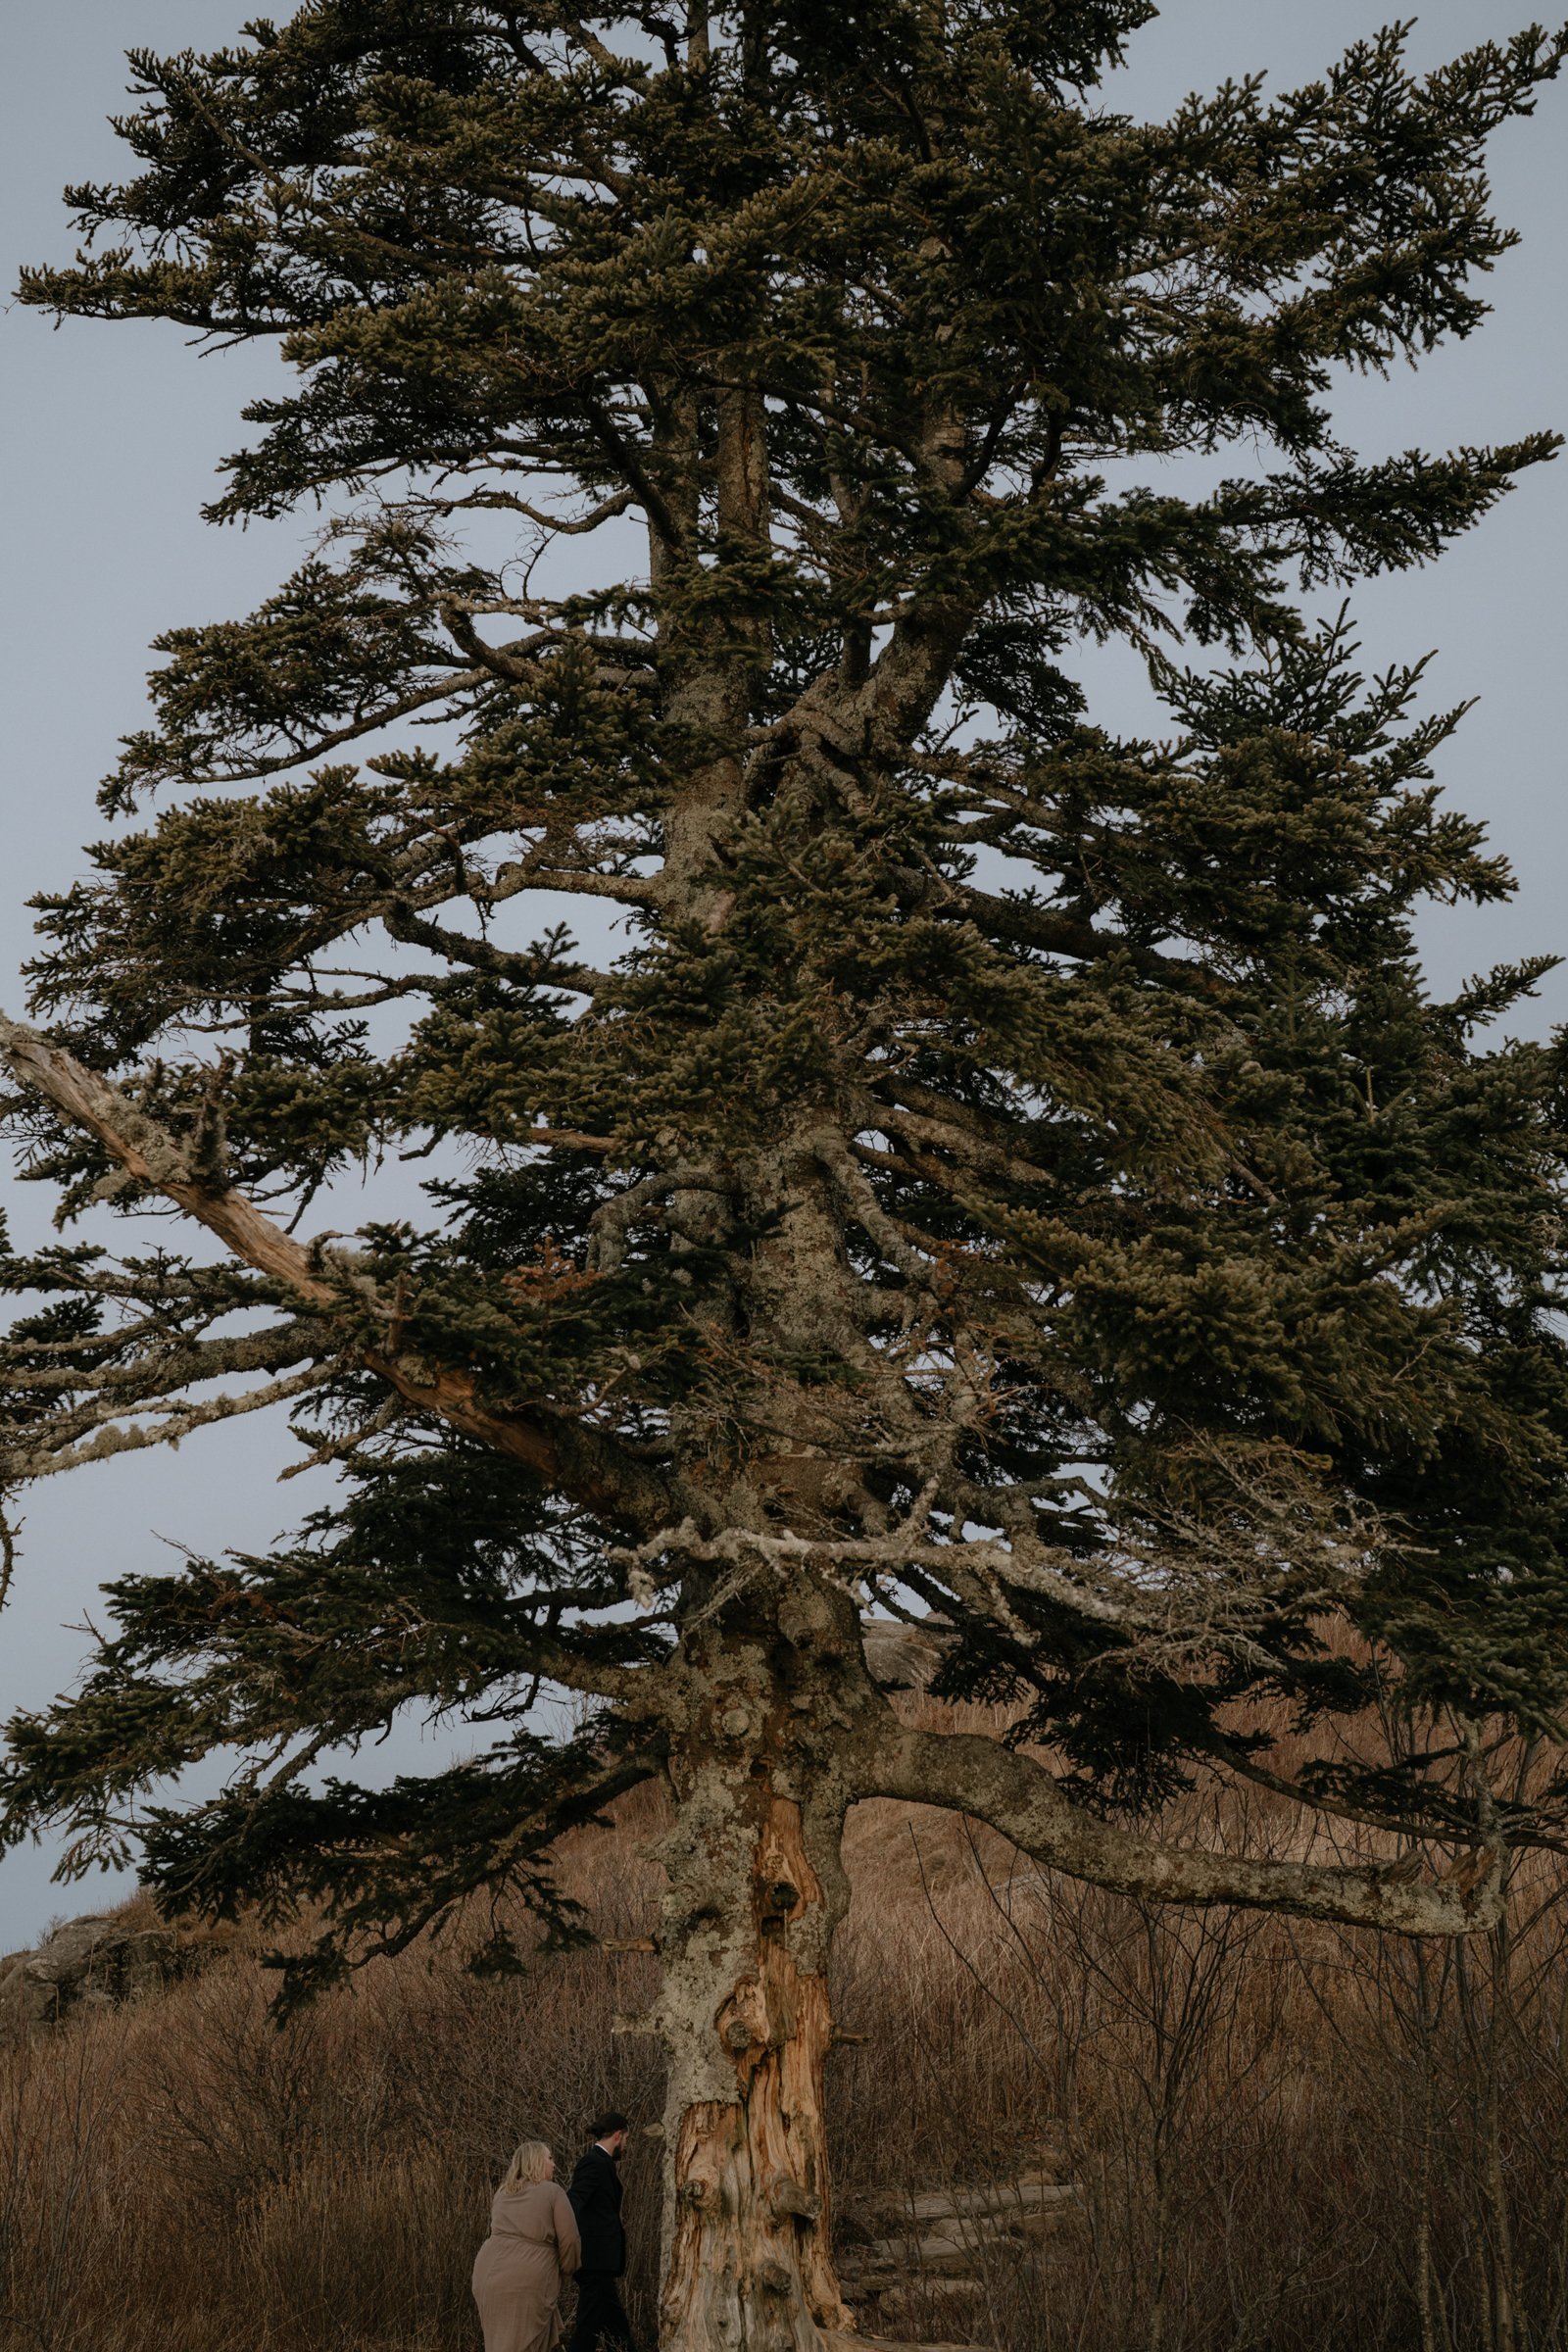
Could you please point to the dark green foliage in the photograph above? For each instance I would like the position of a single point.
(1163, 1220)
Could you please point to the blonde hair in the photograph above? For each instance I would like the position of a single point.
(530, 2162)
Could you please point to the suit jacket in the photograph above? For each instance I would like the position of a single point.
(595, 2194)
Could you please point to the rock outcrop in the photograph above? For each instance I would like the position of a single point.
(97, 1962)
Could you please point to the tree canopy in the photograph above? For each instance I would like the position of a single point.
(1005, 1173)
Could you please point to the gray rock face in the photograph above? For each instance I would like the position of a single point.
(90, 1963)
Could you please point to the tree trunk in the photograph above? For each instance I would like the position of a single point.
(756, 1890)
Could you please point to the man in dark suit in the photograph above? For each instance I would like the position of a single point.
(595, 2194)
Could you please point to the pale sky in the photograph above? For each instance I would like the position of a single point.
(110, 437)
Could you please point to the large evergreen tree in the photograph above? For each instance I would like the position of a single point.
(1010, 1174)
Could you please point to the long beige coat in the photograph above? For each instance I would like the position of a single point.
(532, 2245)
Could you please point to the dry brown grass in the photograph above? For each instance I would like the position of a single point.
(1284, 2140)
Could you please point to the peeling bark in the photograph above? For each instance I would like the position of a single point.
(745, 2012)
(755, 1889)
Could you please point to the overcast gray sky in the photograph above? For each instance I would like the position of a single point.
(110, 437)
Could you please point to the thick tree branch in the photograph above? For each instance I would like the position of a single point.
(966, 1773)
(630, 1686)
(331, 739)
(508, 502)
(113, 1435)
(528, 971)
(581, 1461)
(623, 453)
(1027, 925)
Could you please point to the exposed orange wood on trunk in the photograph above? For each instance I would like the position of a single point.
(750, 2265)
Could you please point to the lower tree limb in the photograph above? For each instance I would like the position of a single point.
(1017, 1796)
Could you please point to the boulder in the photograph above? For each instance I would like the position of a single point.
(97, 1962)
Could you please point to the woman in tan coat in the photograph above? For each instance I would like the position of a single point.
(532, 2245)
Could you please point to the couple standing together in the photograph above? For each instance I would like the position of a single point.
(540, 2235)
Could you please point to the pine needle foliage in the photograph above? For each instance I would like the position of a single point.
(1001, 1170)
